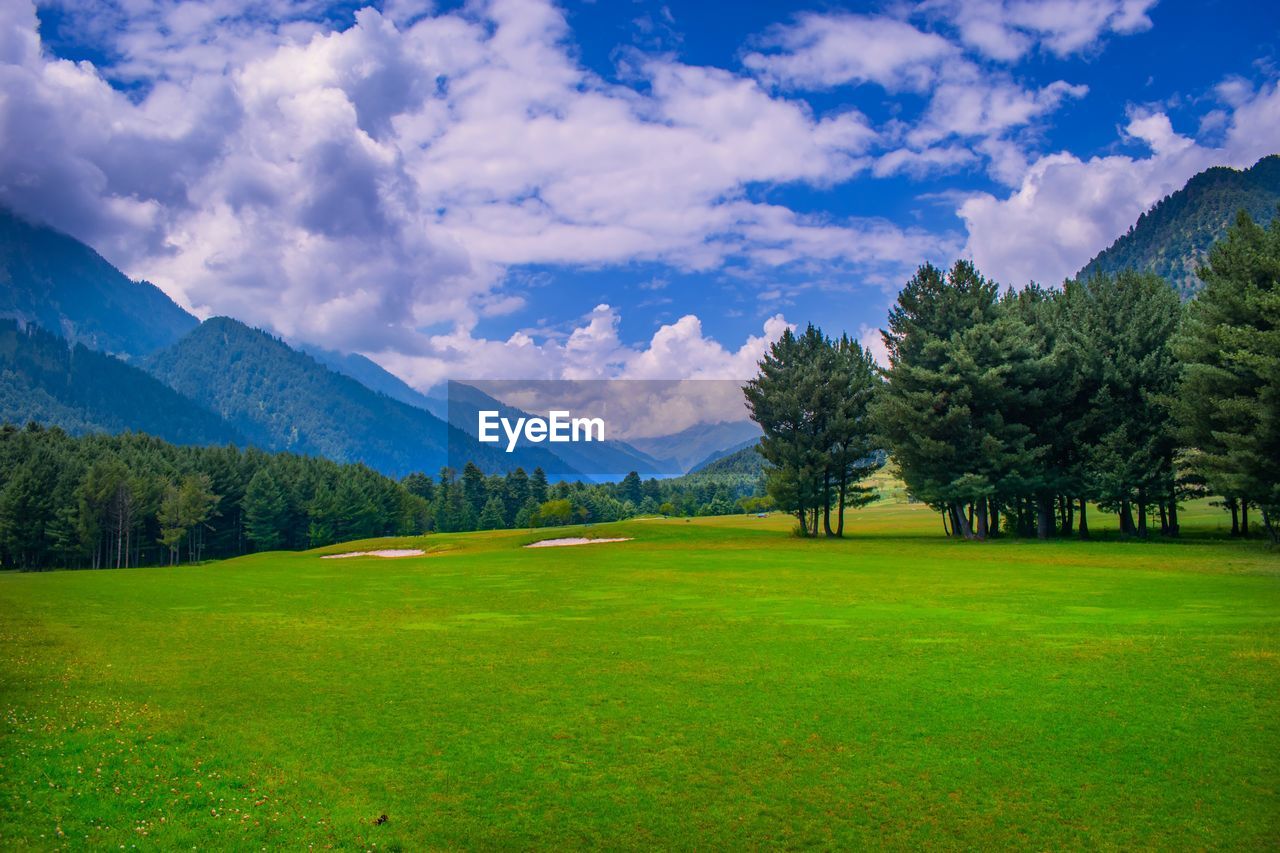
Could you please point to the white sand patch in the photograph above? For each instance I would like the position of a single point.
(577, 540)
(386, 552)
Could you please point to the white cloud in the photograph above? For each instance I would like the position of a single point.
(824, 51)
(1066, 209)
(973, 104)
(1006, 30)
(352, 187)
(965, 97)
(372, 188)
(873, 342)
(592, 350)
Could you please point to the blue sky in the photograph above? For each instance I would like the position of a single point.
(519, 188)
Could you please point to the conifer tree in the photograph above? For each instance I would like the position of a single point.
(265, 512)
(1228, 401)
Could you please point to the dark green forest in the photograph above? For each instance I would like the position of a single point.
(110, 501)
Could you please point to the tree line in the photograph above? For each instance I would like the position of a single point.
(1015, 411)
(115, 501)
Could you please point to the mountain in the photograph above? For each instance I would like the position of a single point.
(282, 399)
(1173, 238)
(47, 380)
(54, 280)
(728, 451)
(602, 461)
(696, 444)
(743, 462)
(375, 378)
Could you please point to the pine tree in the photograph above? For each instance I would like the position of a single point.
(1228, 402)
(265, 512)
(1127, 323)
(538, 484)
(932, 414)
(783, 400)
(491, 517)
(853, 452)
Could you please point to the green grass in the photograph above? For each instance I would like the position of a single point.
(711, 684)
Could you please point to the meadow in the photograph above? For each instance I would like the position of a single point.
(713, 683)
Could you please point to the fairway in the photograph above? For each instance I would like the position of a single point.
(710, 683)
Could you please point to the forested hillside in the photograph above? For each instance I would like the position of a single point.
(743, 462)
(49, 278)
(44, 379)
(1173, 239)
(282, 399)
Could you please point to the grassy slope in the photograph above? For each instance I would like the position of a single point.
(712, 683)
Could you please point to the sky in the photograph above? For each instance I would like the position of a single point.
(532, 189)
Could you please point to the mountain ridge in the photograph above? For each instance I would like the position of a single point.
(61, 284)
(283, 399)
(1173, 237)
(52, 381)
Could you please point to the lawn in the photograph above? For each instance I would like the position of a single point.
(713, 683)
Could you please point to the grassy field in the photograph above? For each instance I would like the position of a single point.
(710, 684)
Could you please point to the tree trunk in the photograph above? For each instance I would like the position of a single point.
(946, 528)
(1142, 513)
(1164, 519)
(1244, 518)
(1126, 518)
(962, 522)
(1070, 522)
(1234, 505)
(994, 510)
(826, 502)
(1174, 528)
(844, 485)
(982, 518)
(1044, 520)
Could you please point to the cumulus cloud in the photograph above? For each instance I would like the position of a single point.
(966, 98)
(824, 51)
(378, 184)
(1065, 209)
(358, 186)
(591, 350)
(1006, 30)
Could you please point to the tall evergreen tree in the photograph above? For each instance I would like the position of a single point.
(1228, 401)
(931, 412)
(1127, 322)
(266, 512)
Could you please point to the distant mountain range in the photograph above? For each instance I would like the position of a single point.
(608, 460)
(85, 348)
(699, 444)
(1173, 238)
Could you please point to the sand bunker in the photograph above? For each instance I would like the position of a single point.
(556, 543)
(407, 552)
